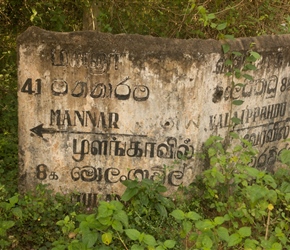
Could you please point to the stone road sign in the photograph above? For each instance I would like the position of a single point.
(96, 109)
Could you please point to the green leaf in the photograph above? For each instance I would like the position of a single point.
(226, 48)
(221, 26)
(245, 232)
(149, 240)
(204, 225)
(90, 238)
(161, 209)
(17, 212)
(193, 216)
(178, 214)
(250, 67)
(137, 247)
(107, 238)
(250, 244)
(13, 200)
(237, 53)
(169, 243)
(256, 55)
(186, 226)
(133, 234)
(207, 242)
(234, 239)
(276, 246)
(129, 193)
(211, 16)
(223, 233)
(219, 220)
(285, 156)
(230, 37)
(7, 224)
(228, 62)
(211, 152)
(117, 225)
(121, 216)
(248, 77)
(106, 221)
(236, 120)
(238, 102)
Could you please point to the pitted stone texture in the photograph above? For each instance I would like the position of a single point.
(96, 109)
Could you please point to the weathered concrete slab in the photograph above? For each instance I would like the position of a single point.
(96, 109)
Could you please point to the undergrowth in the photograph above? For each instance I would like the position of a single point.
(230, 205)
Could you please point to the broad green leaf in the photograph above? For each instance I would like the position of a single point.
(285, 187)
(228, 62)
(234, 135)
(250, 244)
(133, 234)
(211, 152)
(234, 240)
(137, 247)
(223, 233)
(117, 225)
(105, 221)
(186, 226)
(161, 189)
(7, 224)
(149, 240)
(90, 238)
(193, 215)
(207, 242)
(221, 26)
(211, 16)
(238, 102)
(237, 53)
(169, 243)
(276, 246)
(204, 225)
(161, 209)
(269, 180)
(107, 238)
(250, 67)
(245, 232)
(13, 200)
(226, 48)
(121, 216)
(248, 77)
(178, 214)
(256, 55)
(237, 148)
(285, 156)
(253, 172)
(103, 210)
(219, 220)
(129, 193)
(17, 212)
(230, 37)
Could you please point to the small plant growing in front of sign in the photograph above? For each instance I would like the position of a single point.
(238, 205)
(112, 226)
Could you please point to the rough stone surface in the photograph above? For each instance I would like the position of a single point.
(96, 109)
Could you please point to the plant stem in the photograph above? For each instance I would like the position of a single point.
(267, 225)
(122, 241)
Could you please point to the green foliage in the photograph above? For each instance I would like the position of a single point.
(113, 226)
(235, 205)
(30, 220)
(195, 19)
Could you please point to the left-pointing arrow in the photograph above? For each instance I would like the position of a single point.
(40, 130)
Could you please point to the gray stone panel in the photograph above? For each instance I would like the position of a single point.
(96, 109)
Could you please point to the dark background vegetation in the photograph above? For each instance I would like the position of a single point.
(184, 19)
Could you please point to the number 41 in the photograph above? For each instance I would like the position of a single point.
(28, 88)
